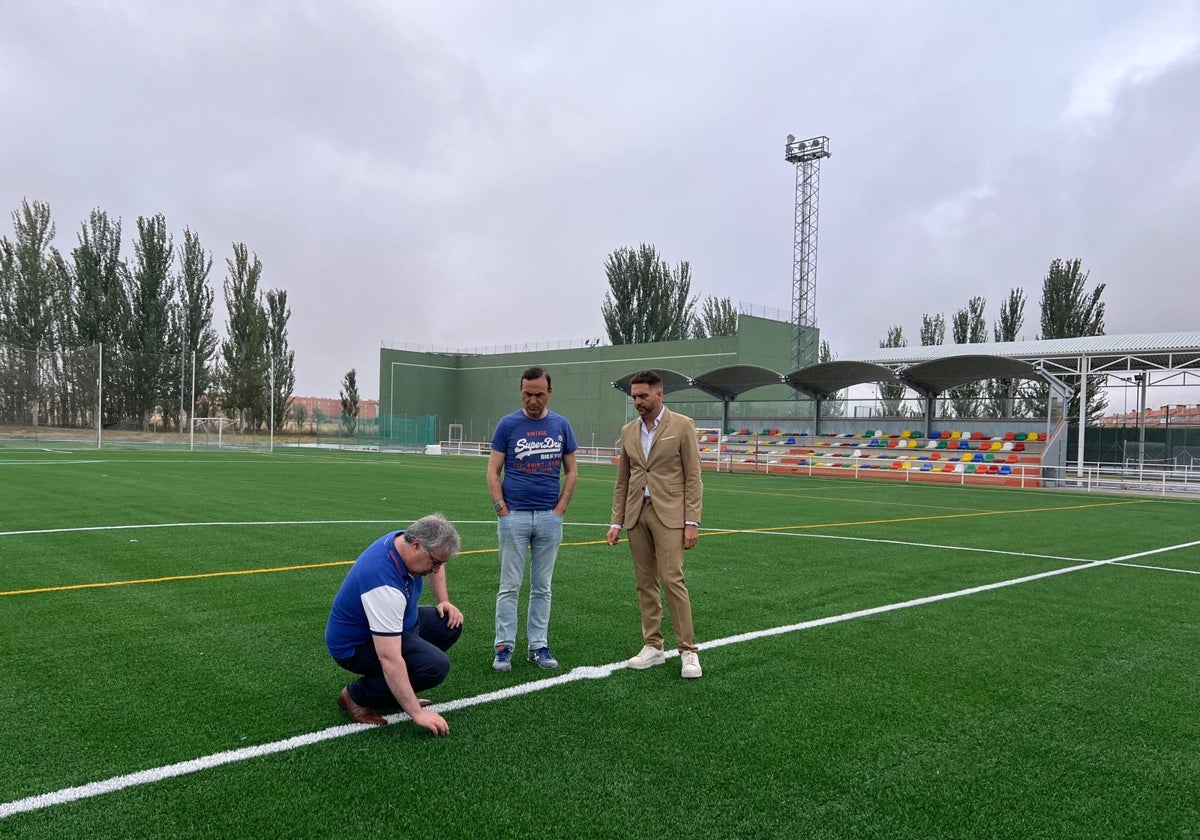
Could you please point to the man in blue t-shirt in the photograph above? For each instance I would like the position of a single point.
(531, 447)
(376, 629)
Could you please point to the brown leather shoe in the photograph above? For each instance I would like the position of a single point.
(358, 714)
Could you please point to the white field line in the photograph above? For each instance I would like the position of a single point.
(965, 548)
(396, 521)
(604, 525)
(1161, 568)
(911, 544)
(157, 774)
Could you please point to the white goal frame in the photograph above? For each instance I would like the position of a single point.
(204, 423)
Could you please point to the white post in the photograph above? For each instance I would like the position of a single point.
(192, 413)
(271, 399)
(182, 373)
(99, 389)
(1145, 376)
(1083, 394)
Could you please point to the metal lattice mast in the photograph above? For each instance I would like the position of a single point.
(806, 155)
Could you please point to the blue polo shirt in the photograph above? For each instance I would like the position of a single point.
(377, 598)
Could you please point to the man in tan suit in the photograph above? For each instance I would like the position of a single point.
(657, 499)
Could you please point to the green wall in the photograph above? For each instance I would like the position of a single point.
(476, 390)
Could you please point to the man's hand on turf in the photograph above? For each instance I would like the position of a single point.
(452, 614)
(432, 721)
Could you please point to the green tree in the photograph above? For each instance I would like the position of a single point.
(282, 360)
(192, 330)
(717, 318)
(1070, 311)
(1002, 393)
(647, 300)
(103, 312)
(34, 295)
(299, 416)
(350, 406)
(891, 394)
(969, 327)
(933, 329)
(153, 294)
(834, 405)
(243, 351)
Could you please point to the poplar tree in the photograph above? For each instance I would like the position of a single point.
(891, 394)
(153, 293)
(192, 320)
(350, 403)
(717, 318)
(834, 405)
(969, 327)
(243, 351)
(647, 300)
(281, 360)
(102, 306)
(32, 300)
(1070, 311)
(1002, 393)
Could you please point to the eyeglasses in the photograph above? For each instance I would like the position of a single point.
(437, 564)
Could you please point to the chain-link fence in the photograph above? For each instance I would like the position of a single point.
(388, 431)
(1175, 445)
(48, 395)
(96, 396)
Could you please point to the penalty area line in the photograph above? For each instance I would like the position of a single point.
(157, 774)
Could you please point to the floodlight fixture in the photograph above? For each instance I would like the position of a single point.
(801, 151)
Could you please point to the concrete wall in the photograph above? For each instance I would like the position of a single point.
(476, 390)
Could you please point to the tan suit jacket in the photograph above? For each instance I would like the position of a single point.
(672, 473)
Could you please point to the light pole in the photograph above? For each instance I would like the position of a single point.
(806, 155)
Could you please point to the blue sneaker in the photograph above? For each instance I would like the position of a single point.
(503, 660)
(543, 658)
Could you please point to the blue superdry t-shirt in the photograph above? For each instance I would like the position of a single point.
(378, 597)
(533, 454)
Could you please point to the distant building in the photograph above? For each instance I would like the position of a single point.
(1168, 415)
(332, 407)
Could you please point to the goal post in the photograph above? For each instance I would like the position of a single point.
(206, 426)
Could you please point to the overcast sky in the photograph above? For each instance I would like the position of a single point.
(453, 175)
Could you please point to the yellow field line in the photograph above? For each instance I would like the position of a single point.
(808, 527)
(928, 518)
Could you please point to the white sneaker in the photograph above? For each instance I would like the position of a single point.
(647, 658)
(691, 665)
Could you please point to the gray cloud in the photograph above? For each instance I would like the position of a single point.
(456, 176)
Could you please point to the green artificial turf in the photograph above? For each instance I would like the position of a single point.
(1060, 707)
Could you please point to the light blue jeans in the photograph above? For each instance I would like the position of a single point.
(536, 534)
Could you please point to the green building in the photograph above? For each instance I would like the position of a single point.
(474, 390)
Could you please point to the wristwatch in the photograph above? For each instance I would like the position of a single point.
(496, 505)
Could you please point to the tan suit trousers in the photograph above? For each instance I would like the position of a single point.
(658, 556)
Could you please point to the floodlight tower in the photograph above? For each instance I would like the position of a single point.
(806, 155)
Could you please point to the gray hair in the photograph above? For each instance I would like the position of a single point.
(435, 532)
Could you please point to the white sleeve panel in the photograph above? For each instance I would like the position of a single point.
(385, 607)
